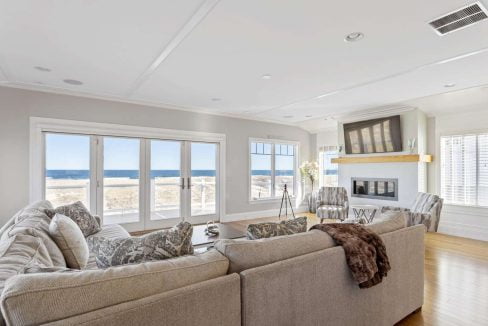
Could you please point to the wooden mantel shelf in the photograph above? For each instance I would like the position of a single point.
(383, 159)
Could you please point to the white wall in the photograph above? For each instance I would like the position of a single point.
(407, 185)
(16, 106)
(471, 222)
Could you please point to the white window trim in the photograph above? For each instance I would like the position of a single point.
(38, 126)
(438, 162)
(296, 184)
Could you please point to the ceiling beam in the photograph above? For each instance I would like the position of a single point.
(376, 80)
(205, 8)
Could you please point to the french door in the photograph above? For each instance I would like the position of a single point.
(183, 182)
(139, 183)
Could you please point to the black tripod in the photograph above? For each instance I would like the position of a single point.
(286, 198)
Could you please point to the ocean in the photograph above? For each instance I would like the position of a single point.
(134, 174)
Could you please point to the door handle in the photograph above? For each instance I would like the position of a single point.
(189, 183)
(182, 185)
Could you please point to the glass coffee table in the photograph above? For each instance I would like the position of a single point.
(202, 240)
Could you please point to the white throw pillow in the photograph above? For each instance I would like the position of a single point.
(69, 238)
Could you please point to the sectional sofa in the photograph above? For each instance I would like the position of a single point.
(300, 279)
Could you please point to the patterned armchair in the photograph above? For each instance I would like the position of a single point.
(332, 203)
(425, 210)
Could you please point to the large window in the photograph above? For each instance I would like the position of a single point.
(328, 171)
(139, 182)
(464, 169)
(273, 166)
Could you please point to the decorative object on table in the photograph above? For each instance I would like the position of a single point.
(425, 210)
(287, 200)
(310, 171)
(273, 229)
(411, 145)
(332, 203)
(212, 229)
(364, 214)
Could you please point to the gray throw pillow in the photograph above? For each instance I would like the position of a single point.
(156, 245)
(78, 213)
(270, 229)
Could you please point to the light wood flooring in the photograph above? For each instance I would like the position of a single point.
(456, 280)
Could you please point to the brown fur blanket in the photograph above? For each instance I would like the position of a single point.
(365, 251)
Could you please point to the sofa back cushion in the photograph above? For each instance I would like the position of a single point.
(388, 222)
(40, 298)
(32, 220)
(19, 253)
(244, 254)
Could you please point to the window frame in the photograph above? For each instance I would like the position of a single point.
(273, 142)
(438, 183)
(321, 152)
(40, 126)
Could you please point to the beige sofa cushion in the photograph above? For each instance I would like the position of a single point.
(244, 254)
(70, 240)
(20, 252)
(40, 298)
(388, 222)
(33, 221)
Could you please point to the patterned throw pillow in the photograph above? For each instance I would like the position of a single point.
(78, 213)
(157, 245)
(268, 230)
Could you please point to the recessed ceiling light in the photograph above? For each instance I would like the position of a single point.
(73, 82)
(287, 116)
(353, 37)
(308, 116)
(216, 99)
(267, 76)
(44, 69)
(449, 85)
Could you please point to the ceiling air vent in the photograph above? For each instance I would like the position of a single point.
(458, 19)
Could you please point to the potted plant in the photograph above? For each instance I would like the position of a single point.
(310, 171)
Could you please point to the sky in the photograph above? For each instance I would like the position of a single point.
(72, 152)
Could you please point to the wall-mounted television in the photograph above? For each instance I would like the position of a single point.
(373, 136)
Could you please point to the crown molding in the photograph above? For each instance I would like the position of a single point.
(113, 98)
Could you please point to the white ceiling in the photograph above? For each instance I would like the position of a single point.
(186, 54)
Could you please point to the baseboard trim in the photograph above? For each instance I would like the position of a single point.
(258, 214)
(476, 232)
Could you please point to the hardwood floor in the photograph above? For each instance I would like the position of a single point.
(456, 280)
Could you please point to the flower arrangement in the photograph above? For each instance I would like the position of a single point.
(310, 170)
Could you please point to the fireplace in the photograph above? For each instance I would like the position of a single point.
(375, 188)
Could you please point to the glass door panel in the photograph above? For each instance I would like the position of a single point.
(121, 174)
(204, 183)
(165, 180)
(67, 174)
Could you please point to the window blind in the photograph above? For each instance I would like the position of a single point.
(464, 169)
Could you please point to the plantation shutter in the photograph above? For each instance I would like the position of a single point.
(483, 170)
(464, 169)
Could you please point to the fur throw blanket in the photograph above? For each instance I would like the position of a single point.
(365, 251)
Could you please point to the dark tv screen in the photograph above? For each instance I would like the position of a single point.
(373, 136)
